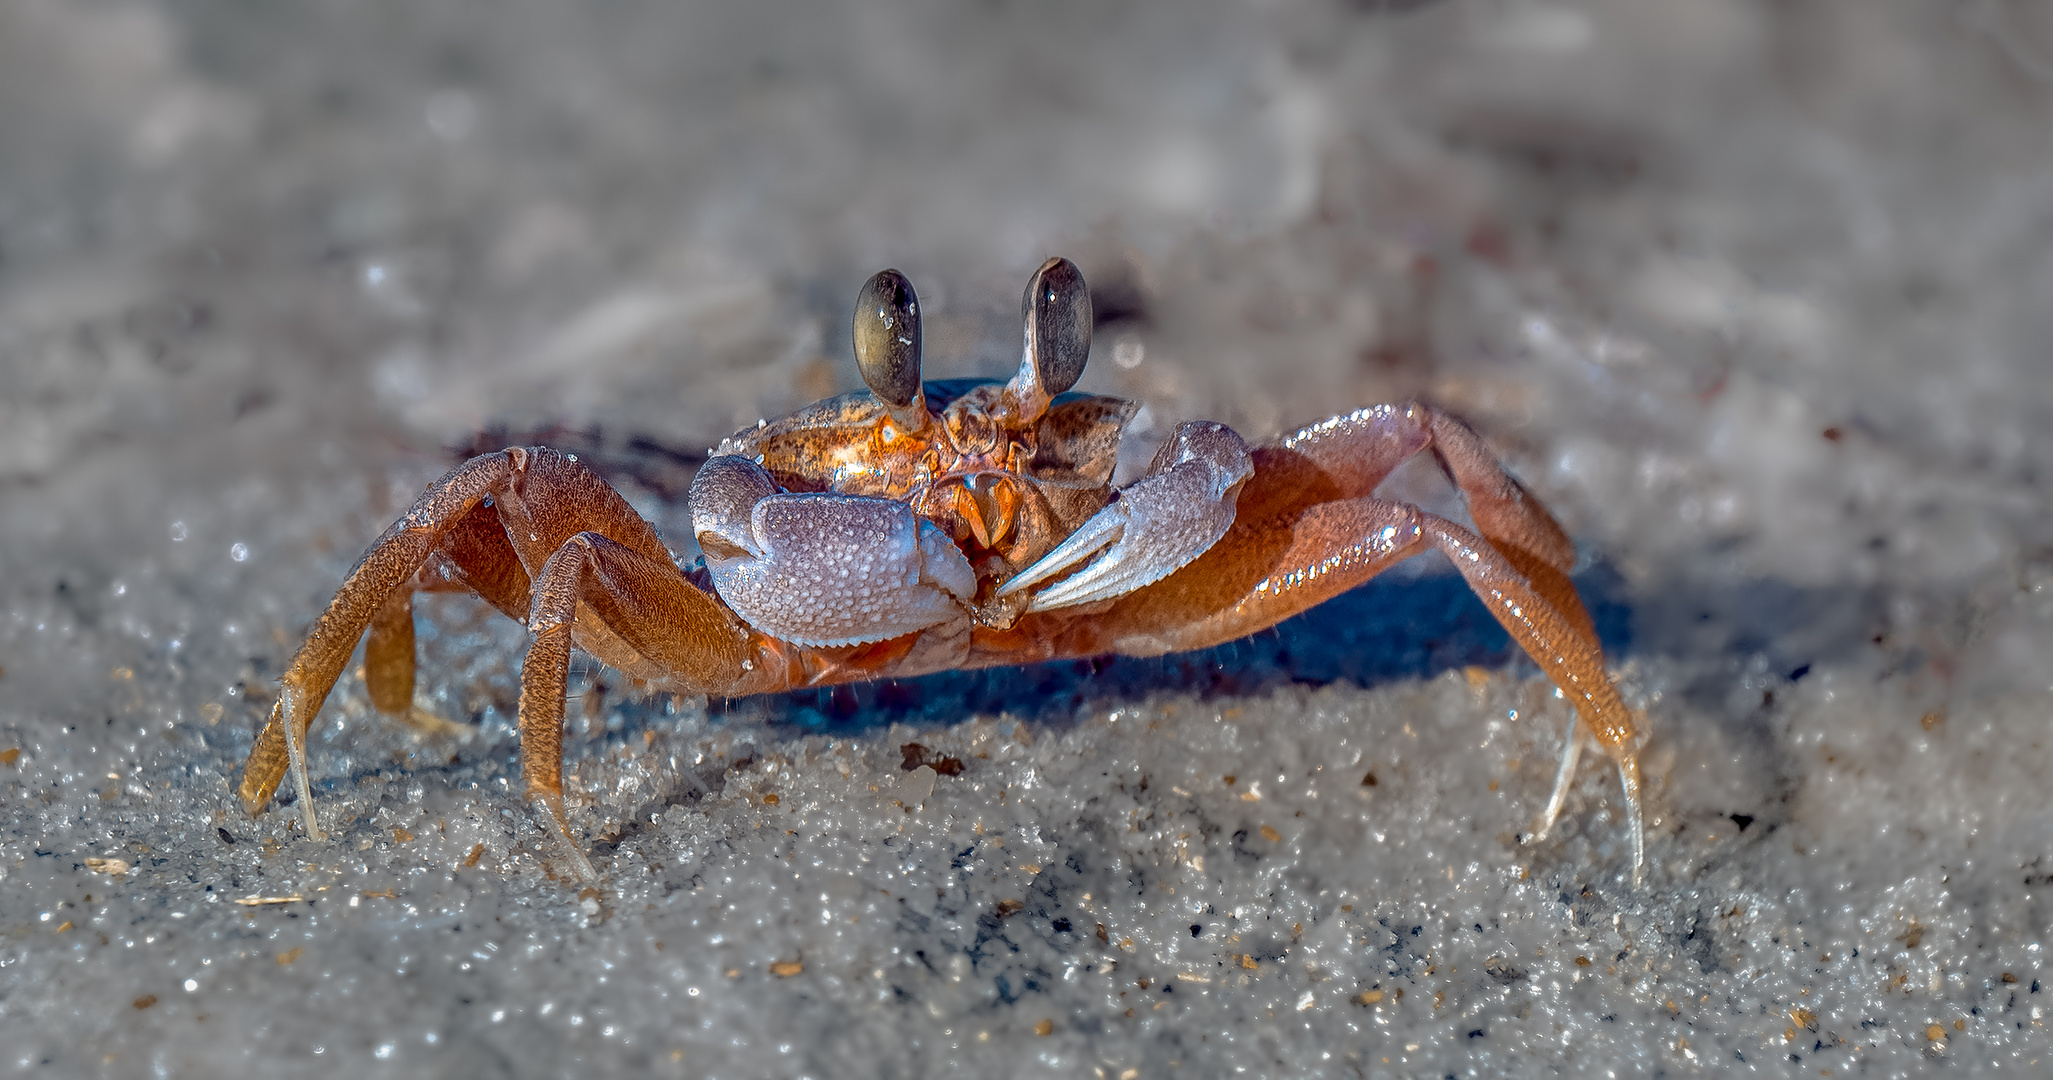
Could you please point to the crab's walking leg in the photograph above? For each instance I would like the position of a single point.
(1305, 533)
(646, 604)
(475, 557)
(539, 500)
(388, 655)
(383, 570)
(1354, 453)
(1513, 522)
(1565, 649)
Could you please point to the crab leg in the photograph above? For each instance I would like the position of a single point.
(650, 607)
(540, 499)
(388, 655)
(383, 570)
(1353, 453)
(1304, 533)
(473, 557)
(1566, 650)
(1305, 529)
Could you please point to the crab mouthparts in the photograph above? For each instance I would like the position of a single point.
(988, 504)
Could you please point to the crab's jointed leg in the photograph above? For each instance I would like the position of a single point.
(474, 557)
(1306, 530)
(649, 607)
(1359, 450)
(388, 655)
(1566, 651)
(385, 569)
(490, 525)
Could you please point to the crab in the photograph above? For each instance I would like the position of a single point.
(923, 526)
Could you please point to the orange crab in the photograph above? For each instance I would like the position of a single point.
(925, 526)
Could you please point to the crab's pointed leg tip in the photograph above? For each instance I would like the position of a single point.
(559, 823)
(578, 861)
(585, 872)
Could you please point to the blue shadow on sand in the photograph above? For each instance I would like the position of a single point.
(1399, 626)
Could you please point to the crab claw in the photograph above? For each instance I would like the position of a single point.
(820, 569)
(1157, 525)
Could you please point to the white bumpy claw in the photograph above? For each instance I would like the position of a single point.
(820, 569)
(1155, 526)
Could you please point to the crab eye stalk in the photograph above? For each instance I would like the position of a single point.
(1057, 313)
(887, 346)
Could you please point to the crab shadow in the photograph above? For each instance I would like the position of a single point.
(1398, 627)
(1413, 624)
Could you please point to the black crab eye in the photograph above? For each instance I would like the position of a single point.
(1057, 311)
(887, 342)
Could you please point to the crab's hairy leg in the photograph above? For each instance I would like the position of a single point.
(1170, 516)
(388, 655)
(539, 499)
(1349, 455)
(1564, 647)
(1259, 574)
(1519, 528)
(646, 603)
(474, 557)
(1509, 517)
(384, 569)
(1297, 552)
(544, 680)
